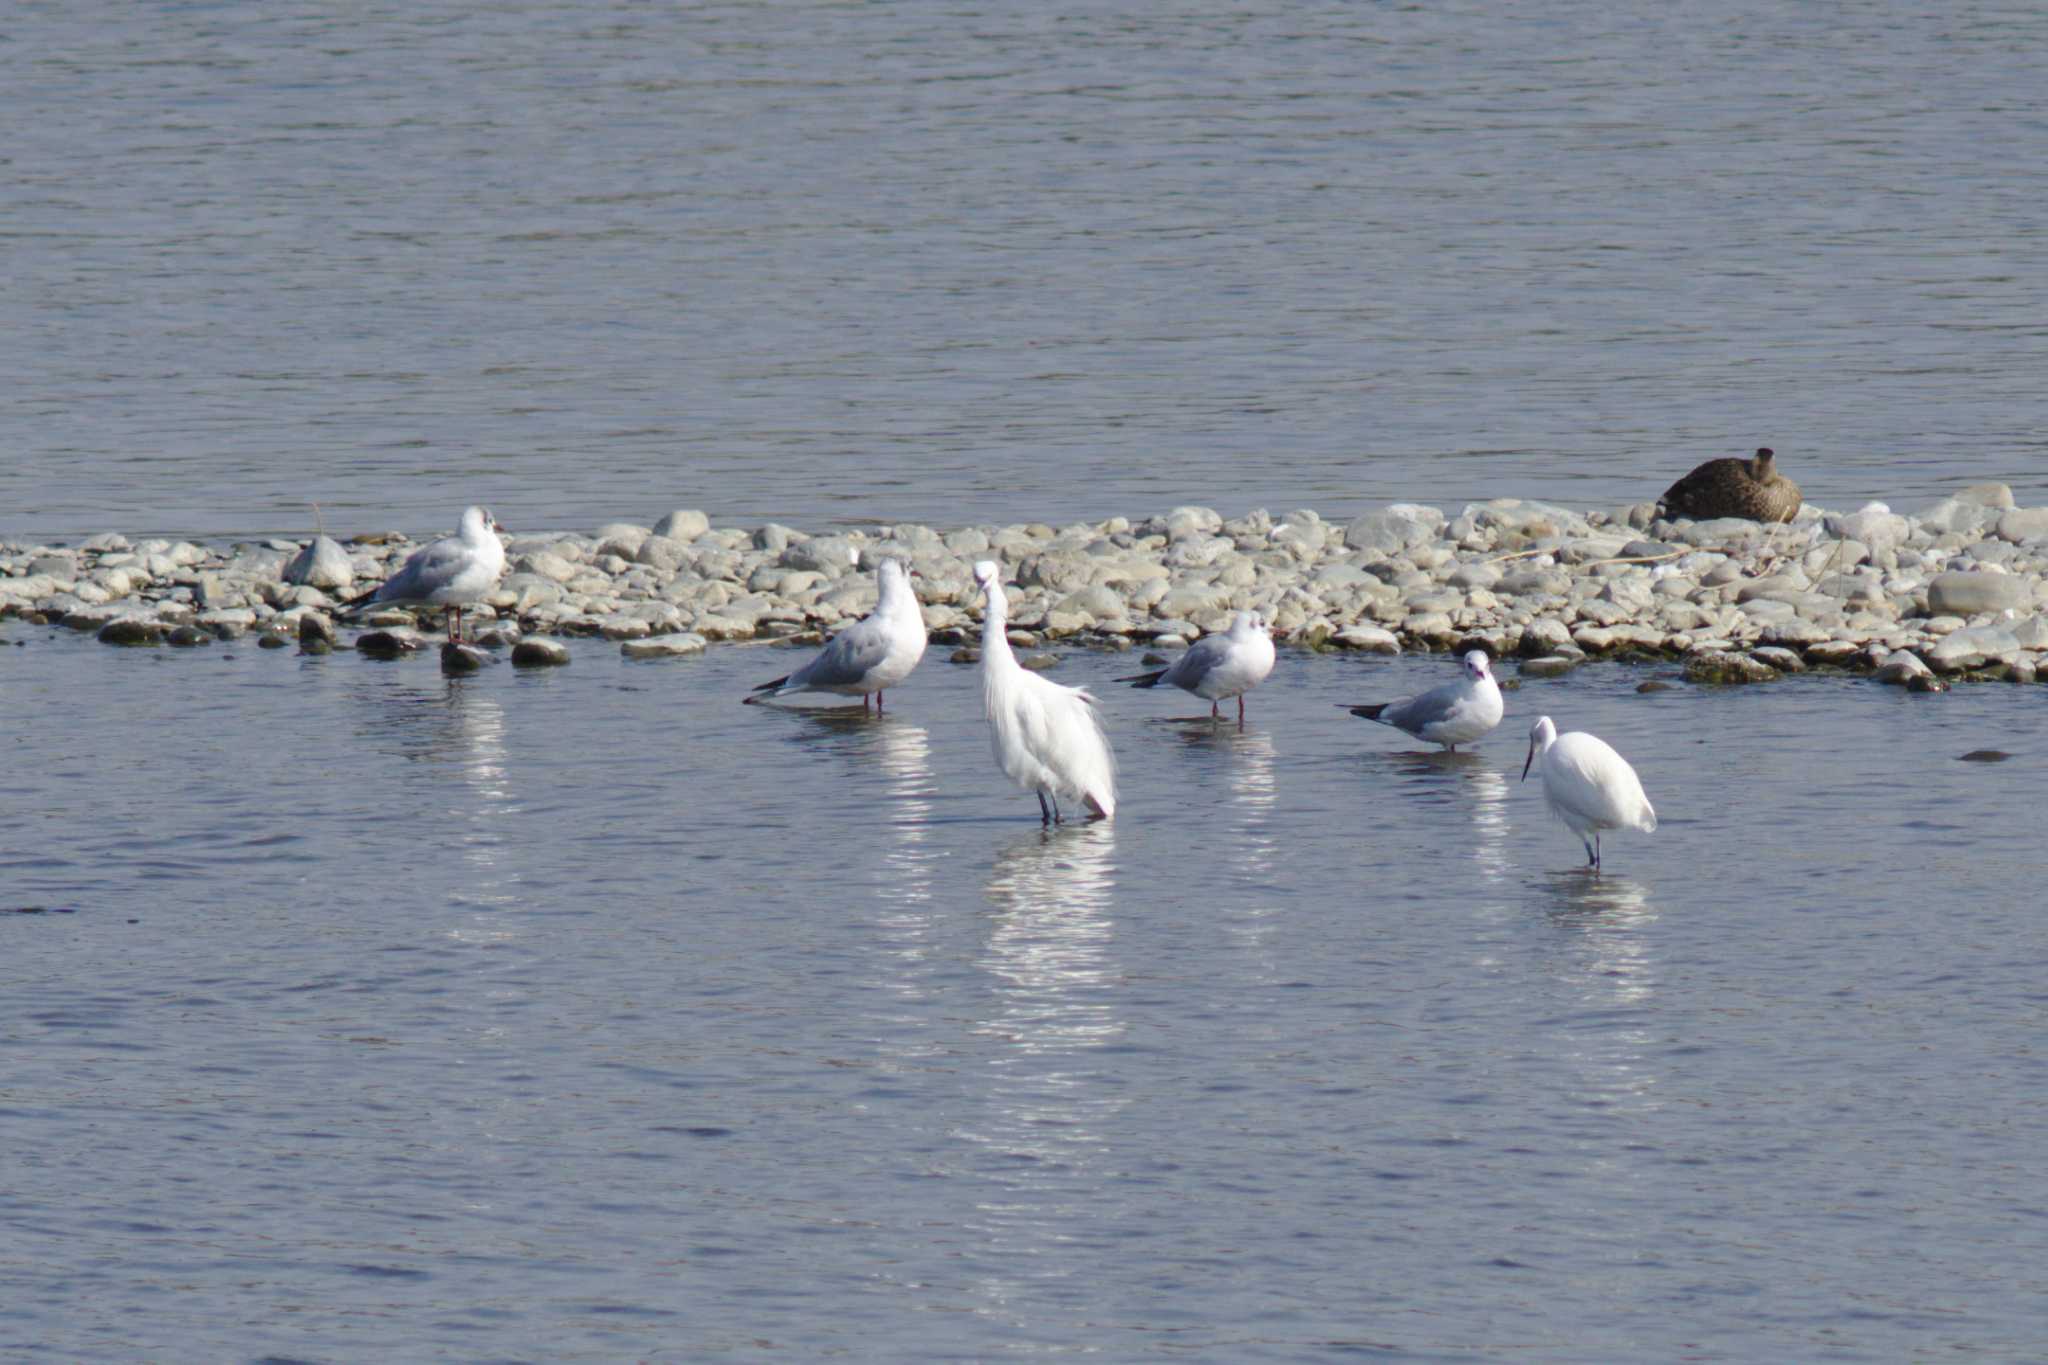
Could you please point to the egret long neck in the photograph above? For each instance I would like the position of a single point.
(995, 633)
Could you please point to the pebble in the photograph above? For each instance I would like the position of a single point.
(1960, 583)
(539, 654)
(1548, 666)
(663, 647)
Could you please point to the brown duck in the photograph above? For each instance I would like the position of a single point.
(1752, 489)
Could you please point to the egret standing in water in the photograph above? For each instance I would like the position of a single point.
(1456, 713)
(1219, 666)
(1587, 785)
(875, 653)
(1047, 737)
(454, 572)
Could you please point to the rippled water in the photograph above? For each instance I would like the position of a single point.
(825, 263)
(589, 1014)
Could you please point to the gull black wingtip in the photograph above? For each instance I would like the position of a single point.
(764, 691)
(1144, 679)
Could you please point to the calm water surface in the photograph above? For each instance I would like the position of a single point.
(825, 262)
(590, 1015)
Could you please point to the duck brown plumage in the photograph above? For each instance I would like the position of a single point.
(1752, 489)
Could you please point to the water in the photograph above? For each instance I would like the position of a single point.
(591, 1015)
(828, 263)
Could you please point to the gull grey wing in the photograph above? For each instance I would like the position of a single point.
(1432, 707)
(423, 571)
(853, 654)
(1204, 657)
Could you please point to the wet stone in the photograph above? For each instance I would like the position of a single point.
(540, 654)
(463, 658)
(131, 632)
(1727, 669)
(384, 644)
(1548, 666)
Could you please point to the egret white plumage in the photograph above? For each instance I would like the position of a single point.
(1047, 737)
(1456, 713)
(454, 572)
(1219, 666)
(1587, 785)
(868, 657)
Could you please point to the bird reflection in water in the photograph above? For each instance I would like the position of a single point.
(1602, 958)
(1046, 1110)
(452, 728)
(1244, 761)
(887, 770)
(1469, 781)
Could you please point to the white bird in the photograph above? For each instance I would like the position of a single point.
(1587, 785)
(454, 572)
(1456, 713)
(1047, 737)
(1219, 666)
(873, 654)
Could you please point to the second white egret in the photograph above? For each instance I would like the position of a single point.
(1587, 785)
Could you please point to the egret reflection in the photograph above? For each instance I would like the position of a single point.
(1602, 958)
(1046, 1107)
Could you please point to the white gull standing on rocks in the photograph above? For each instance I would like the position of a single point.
(874, 654)
(455, 572)
(1587, 785)
(1223, 665)
(1047, 737)
(1456, 713)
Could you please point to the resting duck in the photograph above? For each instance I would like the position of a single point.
(1752, 489)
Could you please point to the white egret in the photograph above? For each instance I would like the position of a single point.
(1587, 785)
(874, 654)
(454, 572)
(1456, 713)
(1047, 737)
(1219, 666)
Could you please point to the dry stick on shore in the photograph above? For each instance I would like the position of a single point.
(1624, 559)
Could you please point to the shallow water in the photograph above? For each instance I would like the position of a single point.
(828, 263)
(588, 1014)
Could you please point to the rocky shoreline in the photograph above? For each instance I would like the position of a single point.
(1959, 588)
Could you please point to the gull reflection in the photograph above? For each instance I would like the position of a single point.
(1244, 760)
(452, 728)
(1602, 959)
(1488, 791)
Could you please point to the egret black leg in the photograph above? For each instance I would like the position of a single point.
(1044, 811)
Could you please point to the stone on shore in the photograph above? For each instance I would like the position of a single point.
(1727, 668)
(664, 647)
(1901, 667)
(322, 564)
(1972, 594)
